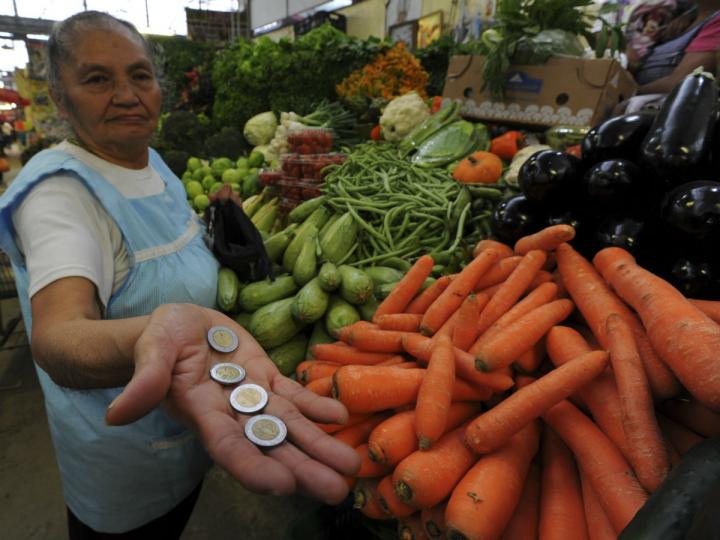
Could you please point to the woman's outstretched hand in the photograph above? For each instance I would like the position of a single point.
(172, 365)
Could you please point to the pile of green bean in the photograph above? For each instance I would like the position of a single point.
(402, 210)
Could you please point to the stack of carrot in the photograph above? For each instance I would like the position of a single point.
(477, 415)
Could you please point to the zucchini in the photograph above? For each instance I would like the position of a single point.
(243, 318)
(383, 274)
(260, 293)
(252, 205)
(367, 310)
(339, 239)
(228, 287)
(305, 266)
(302, 211)
(339, 314)
(319, 335)
(265, 217)
(386, 288)
(328, 224)
(288, 355)
(311, 302)
(275, 245)
(397, 263)
(273, 324)
(356, 286)
(669, 511)
(329, 277)
(317, 219)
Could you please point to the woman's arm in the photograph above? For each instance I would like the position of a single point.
(690, 61)
(73, 345)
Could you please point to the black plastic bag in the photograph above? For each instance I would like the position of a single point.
(236, 242)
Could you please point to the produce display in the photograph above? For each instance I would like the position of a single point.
(645, 182)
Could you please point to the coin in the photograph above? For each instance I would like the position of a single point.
(227, 373)
(248, 398)
(222, 339)
(265, 430)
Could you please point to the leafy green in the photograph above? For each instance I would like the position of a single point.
(285, 75)
(451, 143)
(519, 20)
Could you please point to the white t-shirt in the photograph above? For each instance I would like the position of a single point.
(64, 231)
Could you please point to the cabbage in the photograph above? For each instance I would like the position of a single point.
(260, 129)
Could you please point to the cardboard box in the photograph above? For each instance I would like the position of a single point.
(563, 91)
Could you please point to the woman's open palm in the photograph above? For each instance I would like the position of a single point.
(172, 365)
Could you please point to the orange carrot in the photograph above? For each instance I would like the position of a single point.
(371, 340)
(465, 330)
(309, 370)
(547, 239)
(483, 502)
(542, 295)
(686, 339)
(693, 415)
(600, 395)
(341, 353)
(612, 478)
(407, 365)
(711, 308)
(394, 439)
(596, 301)
(502, 249)
(680, 437)
(345, 332)
(426, 477)
(390, 501)
(366, 499)
(410, 528)
(498, 272)
(321, 386)
(517, 337)
(366, 389)
(423, 300)
(541, 277)
(353, 419)
(524, 521)
(406, 289)
(394, 360)
(599, 527)
(493, 428)
(435, 394)
(562, 515)
(529, 361)
(648, 455)
(451, 298)
(489, 291)
(403, 322)
(433, 521)
(421, 348)
(358, 434)
(511, 289)
(368, 467)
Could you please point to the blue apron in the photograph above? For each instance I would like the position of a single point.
(118, 478)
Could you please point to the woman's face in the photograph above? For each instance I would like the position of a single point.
(112, 98)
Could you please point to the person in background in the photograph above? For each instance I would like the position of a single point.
(117, 290)
(676, 48)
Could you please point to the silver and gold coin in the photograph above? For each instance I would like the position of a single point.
(222, 339)
(227, 373)
(265, 430)
(248, 398)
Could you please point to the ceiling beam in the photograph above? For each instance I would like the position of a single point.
(21, 26)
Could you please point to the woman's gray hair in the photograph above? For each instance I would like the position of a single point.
(64, 37)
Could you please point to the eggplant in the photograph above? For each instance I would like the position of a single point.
(693, 278)
(680, 137)
(581, 221)
(692, 211)
(616, 138)
(616, 183)
(632, 233)
(549, 177)
(516, 217)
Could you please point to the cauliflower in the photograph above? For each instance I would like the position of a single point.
(402, 115)
(260, 129)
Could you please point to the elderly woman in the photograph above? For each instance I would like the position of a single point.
(117, 288)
